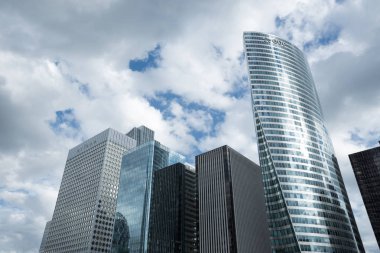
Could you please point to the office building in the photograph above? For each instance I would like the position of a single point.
(307, 203)
(84, 214)
(43, 241)
(366, 166)
(141, 134)
(232, 217)
(135, 193)
(174, 214)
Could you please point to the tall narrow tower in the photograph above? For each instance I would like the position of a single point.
(306, 199)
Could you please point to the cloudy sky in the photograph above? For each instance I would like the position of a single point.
(70, 69)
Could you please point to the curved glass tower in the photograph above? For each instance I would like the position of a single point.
(307, 203)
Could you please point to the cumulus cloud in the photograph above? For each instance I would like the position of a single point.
(70, 69)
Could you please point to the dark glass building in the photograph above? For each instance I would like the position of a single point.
(174, 214)
(232, 215)
(134, 196)
(366, 166)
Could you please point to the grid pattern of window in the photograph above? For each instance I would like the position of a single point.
(366, 166)
(134, 195)
(43, 242)
(232, 215)
(84, 213)
(141, 134)
(174, 213)
(307, 203)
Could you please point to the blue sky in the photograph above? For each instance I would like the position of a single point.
(69, 70)
(151, 61)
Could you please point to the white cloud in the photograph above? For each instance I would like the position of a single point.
(201, 43)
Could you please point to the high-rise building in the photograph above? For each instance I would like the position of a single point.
(43, 241)
(174, 214)
(84, 214)
(141, 134)
(366, 166)
(307, 203)
(135, 193)
(232, 215)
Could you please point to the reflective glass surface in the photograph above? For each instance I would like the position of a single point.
(307, 203)
(134, 195)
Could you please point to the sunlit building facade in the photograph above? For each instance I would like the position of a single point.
(138, 165)
(307, 203)
(84, 214)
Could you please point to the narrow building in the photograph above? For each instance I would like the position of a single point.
(174, 213)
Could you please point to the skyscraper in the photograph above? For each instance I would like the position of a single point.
(232, 216)
(306, 199)
(43, 241)
(135, 192)
(174, 213)
(84, 214)
(141, 134)
(366, 166)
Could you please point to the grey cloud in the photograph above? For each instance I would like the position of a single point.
(347, 77)
(15, 131)
(66, 28)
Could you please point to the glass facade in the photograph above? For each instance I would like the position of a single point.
(134, 196)
(306, 199)
(174, 214)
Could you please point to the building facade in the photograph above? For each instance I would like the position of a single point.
(43, 241)
(307, 203)
(232, 215)
(141, 134)
(366, 166)
(84, 214)
(135, 193)
(174, 213)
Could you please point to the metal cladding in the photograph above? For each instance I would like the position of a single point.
(232, 214)
(306, 199)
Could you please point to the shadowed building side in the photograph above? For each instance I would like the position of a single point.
(232, 215)
(174, 214)
(366, 166)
